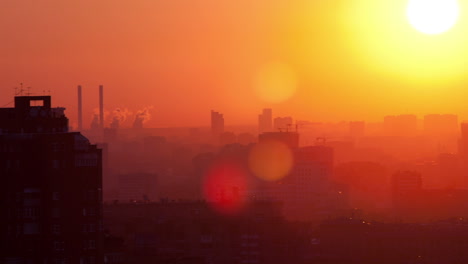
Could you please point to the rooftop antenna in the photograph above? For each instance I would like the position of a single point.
(21, 90)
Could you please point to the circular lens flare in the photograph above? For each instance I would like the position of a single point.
(433, 16)
(224, 187)
(270, 160)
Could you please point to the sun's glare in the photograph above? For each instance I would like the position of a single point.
(276, 82)
(433, 16)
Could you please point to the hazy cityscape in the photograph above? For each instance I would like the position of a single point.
(280, 190)
(233, 132)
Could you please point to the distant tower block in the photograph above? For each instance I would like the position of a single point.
(80, 110)
(265, 121)
(217, 123)
(101, 106)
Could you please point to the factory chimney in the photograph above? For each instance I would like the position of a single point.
(101, 106)
(80, 110)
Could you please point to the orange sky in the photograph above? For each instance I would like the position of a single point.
(353, 59)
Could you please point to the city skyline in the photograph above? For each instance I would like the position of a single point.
(233, 131)
(341, 58)
(123, 117)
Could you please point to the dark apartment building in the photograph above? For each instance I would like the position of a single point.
(291, 139)
(191, 232)
(351, 240)
(51, 187)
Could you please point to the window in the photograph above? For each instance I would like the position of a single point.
(55, 229)
(55, 212)
(60, 261)
(29, 212)
(89, 211)
(31, 228)
(57, 146)
(55, 196)
(86, 160)
(87, 260)
(19, 196)
(59, 245)
(92, 244)
(90, 195)
(89, 244)
(89, 228)
(36, 103)
(55, 164)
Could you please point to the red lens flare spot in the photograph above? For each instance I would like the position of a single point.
(225, 187)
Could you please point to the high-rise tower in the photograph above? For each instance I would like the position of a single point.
(265, 121)
(51, 187)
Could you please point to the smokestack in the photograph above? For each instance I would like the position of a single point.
(101, 106)
(80, 113)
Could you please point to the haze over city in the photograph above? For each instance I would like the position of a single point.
(357, 60)
(233, 132)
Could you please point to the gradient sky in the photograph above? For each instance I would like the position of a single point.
(353, 59)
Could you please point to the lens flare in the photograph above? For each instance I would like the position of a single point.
(433, 16)
(275, 82)
(224, 187)
(270, 160)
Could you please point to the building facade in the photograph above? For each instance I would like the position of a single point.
(217, 123)
(265, 121)
(51, 187)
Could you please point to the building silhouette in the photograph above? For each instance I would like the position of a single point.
(137, 187)
(51, 187)
(282, 123)
(192, 232)
(353, 240)
(357, 129)
(406, 191)
(437, 125)
(265, 121)
(401, 125)
(463, 142)
(291, 139)
(307, 192)
(217, 123)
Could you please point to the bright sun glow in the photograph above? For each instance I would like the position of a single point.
(433, 16)
(276, 82)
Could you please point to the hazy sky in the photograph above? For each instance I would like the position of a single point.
(351, 59)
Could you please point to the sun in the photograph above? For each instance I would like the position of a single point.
(433, 16)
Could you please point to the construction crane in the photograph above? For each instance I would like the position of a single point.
(288, 128)
(321, 141)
